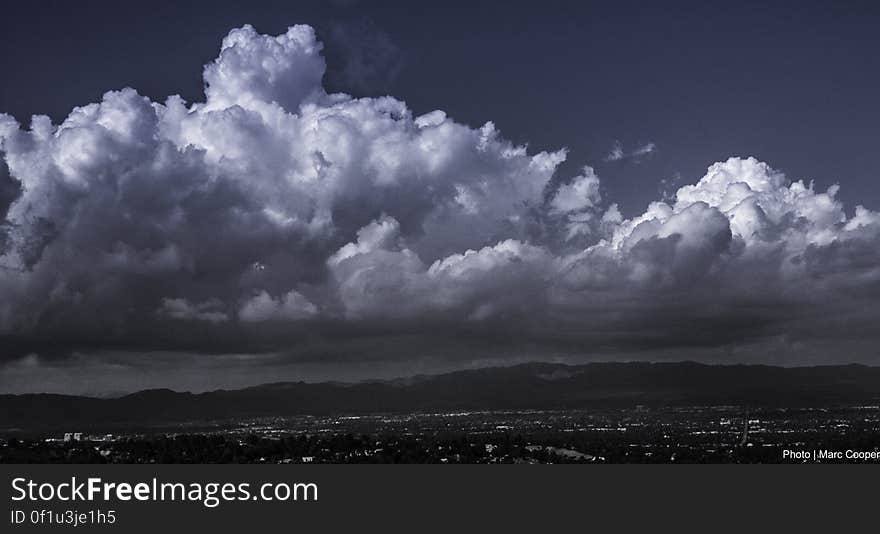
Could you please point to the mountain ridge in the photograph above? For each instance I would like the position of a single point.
(524, 386)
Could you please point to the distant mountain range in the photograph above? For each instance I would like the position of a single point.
(528, 386)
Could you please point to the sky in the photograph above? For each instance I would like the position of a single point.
(222, 194)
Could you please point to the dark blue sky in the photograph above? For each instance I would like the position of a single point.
(792, 83)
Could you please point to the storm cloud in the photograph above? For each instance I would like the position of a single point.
(277, 218)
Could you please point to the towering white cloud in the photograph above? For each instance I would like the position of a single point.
(275, 202)
(254, 70)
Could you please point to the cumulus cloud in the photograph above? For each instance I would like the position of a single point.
(254, 70)
(274, 207)
(288, 307)
(186, 311)
(578, 201)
